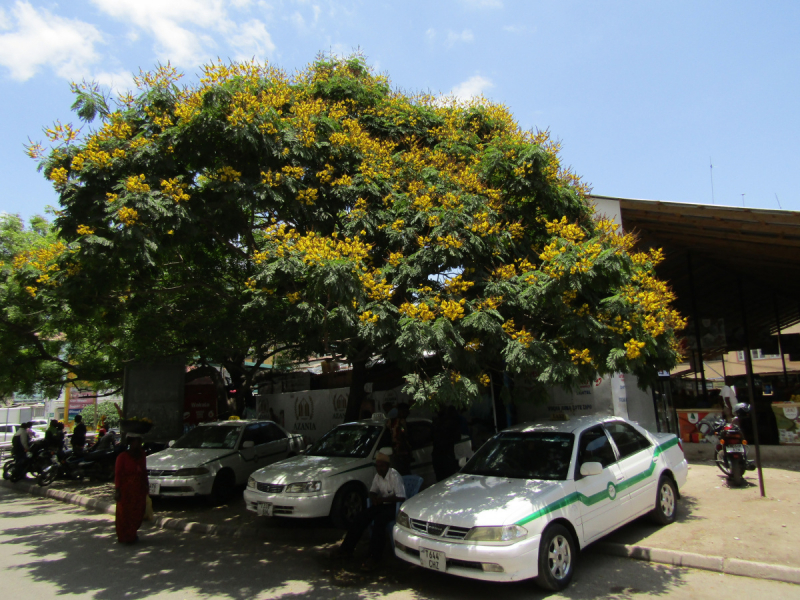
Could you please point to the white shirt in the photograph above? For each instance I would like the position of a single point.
(391, 485)
(728, 393)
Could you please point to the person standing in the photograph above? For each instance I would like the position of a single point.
(729, 401)
(446, 434)
(386, 491)
(130, 481)
(78, 440)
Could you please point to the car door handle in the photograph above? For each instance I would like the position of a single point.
(619, 477)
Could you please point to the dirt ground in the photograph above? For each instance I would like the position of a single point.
(719, 520)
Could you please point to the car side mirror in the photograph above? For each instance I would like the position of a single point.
(248, 444)
(591, 468)
(462, 462)
(171, 443)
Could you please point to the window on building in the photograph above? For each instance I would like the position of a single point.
(756, 354)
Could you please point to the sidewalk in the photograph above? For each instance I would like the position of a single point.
(718, 528)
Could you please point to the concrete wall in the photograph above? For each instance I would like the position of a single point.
(156, 391)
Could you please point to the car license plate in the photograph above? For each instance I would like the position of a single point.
(735, 448)
(155, 487)
(432, 559)
(265, 509)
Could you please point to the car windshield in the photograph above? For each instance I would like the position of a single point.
(519, 455)
(216, 437)
(350, 441)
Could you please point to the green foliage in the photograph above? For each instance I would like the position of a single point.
(104, 409)
(254, 213)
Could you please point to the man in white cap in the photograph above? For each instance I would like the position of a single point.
(386, 491)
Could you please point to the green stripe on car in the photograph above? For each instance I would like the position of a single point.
(600, 496)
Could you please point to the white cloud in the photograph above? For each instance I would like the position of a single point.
(5, 20)
(492, 4)
(252, 40)
(119, 82)
(43, 39)
(430, 34)
(471, 88)
(465, 37)
(182, 28)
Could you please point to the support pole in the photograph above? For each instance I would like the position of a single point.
(748, 362)
(780, 339)
(697, 327)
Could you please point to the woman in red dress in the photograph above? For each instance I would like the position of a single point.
(131, 490)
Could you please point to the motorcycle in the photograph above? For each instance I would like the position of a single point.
(14, 470)
(731, 450)
(94, 465)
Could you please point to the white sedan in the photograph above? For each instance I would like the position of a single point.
(333, 476)
(212, 459)
(534, 495)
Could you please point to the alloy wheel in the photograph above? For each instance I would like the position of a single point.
(667, 500)
(559, 557)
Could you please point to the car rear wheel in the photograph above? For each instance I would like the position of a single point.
(347, 505)
(665, 510)
(557, 556)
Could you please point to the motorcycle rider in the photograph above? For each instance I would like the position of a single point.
(78, 436)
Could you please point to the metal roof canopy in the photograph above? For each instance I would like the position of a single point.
(718, 251)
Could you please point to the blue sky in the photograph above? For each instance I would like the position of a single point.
(641, 94)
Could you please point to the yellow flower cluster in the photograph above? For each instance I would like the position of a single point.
(174, 189)
(449, 241)
(59, 176)
(377, 289)
(569, 231)
(457, 285)
(452, 310)
(491, 303)
(307, 196)
(455, 377)
(63, 133)
(111, 197)
(395, 258)
(136, 184)
(473, 345)
(368, 317)
(85, 230)
(522, 336)
(326, 175)
(633, 349)
(419, 311)
(580, 356)
(485, 380)
(505, 272)
(293, 298)
(228, 174)
(128, 216)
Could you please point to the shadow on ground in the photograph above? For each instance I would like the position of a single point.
(76, 554)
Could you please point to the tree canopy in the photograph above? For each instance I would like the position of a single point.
(257, 212)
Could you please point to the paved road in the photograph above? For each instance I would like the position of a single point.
(49, 550)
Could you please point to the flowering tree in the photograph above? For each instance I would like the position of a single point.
(324, 212)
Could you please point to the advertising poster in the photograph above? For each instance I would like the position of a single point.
(77, 401)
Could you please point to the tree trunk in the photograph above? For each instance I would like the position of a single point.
(357, 393)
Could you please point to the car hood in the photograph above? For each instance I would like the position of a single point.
(183, 458)
(310, 468)
(477, 500)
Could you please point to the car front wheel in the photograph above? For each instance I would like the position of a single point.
(347, 505)
(557, 556)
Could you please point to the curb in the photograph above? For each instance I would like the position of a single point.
(180, 525)
(717, 564)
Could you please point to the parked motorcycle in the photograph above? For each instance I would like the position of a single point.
(94, 465)
(731, 450)
(15, 471)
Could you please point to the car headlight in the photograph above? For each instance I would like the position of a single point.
(303, 487)
(251, 483)
(402, 520)
(192, 471)
(507, 533)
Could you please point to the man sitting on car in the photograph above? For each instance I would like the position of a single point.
(386, 491)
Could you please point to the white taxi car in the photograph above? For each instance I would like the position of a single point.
(332, 477)
(213, 458)
(534, 495)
